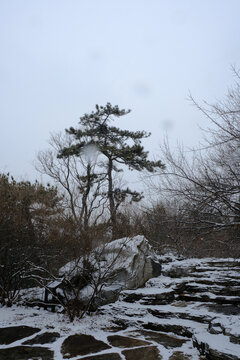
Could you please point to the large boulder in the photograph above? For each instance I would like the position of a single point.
(125, 263)
(133, 262)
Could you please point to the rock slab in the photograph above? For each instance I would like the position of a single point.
(13, 333)
(109, 356)
(45, 338)
(168, 341)
(125, 342)
(144, 353)
(81, 344)
(179, 355)
(26, 353)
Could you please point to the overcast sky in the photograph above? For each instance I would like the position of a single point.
(61, 57)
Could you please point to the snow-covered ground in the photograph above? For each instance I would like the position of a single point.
(203, 301)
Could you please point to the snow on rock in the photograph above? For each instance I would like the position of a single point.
(216, 347)
(125, 263)
(135, 261)
(132, 261)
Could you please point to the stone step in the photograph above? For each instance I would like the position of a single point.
(222, 268)
(219, 277)
(176, 329)
(185, 292)
(180, 271)
(196, 299)
(194, 287)
(225, 264)
(204, 319)
(234, 300)
(226, 309)
(170, 334)
(224, 282)
(188, 293)
(158, 296)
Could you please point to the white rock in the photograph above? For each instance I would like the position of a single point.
(125, 263)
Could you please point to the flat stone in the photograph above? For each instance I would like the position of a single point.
(176, 329)
(159, 299)
(178, 355)
(81, 344)
(225, 264)
(213, 354)
(46, 338)
(125, 342)
(119, 325)
(224, 309)
(109, 356)
(223, 300)
(168, 341)
(180, 315)
(26, 353)
(222, 282)
(13, 333)
(227, 291)
(142, 353)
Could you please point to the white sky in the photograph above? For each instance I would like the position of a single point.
(60, 57)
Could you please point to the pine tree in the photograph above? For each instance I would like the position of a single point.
(119, 147)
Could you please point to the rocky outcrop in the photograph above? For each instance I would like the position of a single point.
(159, 321)
(189, 306)
(125, 263)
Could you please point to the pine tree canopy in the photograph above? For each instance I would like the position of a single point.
(110, 140)
(119, 147)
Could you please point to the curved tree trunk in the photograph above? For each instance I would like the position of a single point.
(112, 207)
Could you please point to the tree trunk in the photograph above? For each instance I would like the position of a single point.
(112, 207)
